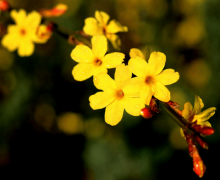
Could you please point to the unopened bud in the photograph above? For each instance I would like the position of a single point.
(208, 131)
(198, 165)
(146, 113)
(4, 5)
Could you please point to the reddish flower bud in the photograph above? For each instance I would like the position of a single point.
(207, 130)
(198, 165)
(146, 113)
(4, 5)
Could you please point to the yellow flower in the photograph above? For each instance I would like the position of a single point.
(98, 26)
(116, 95)
(194, 114)
(22, 34)
(150, 77)
(93, 62)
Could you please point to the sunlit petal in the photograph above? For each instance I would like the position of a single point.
(82, 71)
(13, 29)
(205, 115)
(122, 73)
(82, 54)
(102, 17)
(26, 48)
(100, 100)
(133, 106)
(167, 77)
(139, 66)
(114, 112)
(132, 87)
(99, 46)
(146, 94)
(99, 69)
(104, 82)
(92, 27)
(198, 105)
(157, 62)
(136, 52)
(187, 111)
(114, 27)
(161, 92)
(111, 60)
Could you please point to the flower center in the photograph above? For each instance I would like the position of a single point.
(149, 80)
(98, 62)
(22, 32)
(119, 94)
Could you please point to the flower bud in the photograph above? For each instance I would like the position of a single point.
(4, 5)
(146, 113)
(198, 165)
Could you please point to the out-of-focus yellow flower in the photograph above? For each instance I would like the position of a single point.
(150, 77)
(117, 95)
(58, 10)
(98, 26)
(22, 35)
(94, 61)
(43, 32)
(70, 123)
(194, 114)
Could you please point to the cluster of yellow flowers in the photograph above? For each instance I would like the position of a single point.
(125, 92)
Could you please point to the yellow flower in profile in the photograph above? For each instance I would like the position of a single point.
(22, 34)
(94, 61)
(117, 96)
(195, 115)
(150, 77)
(99, 26)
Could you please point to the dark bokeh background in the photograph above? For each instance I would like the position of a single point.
(47, 125)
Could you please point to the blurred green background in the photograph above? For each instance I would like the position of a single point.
(47, 125)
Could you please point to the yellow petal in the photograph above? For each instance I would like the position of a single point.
(115, 41)
(139, 66)
(92, 27)
(132, 87)
(13, 29)
(205, 115)
(133, 106)
(122, 74)
(161, 92)
(102, 17)
(198, 105)
(82, 54)
(26, 48)
(104, 82)
(114, 27)
(10, 41)
(167, 77)
(114, 112)
(99, 69)
(204, 123)
(111, 60)
(33, 20)
(136, 52)
(182, 133)
(99, 46)
(82, 71)
(157, 62)
(187, 110)
(100, 100)
(146, 94)
(19, 17)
